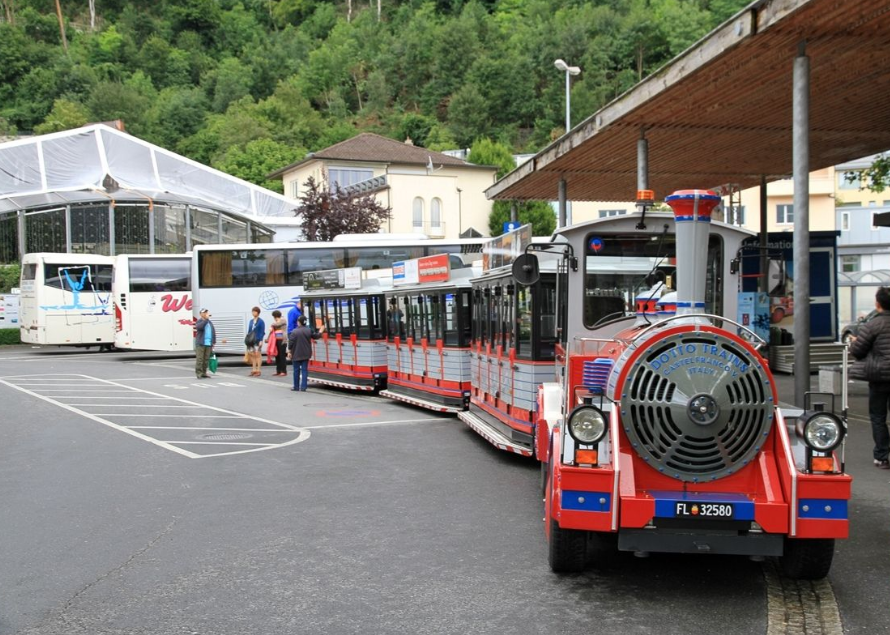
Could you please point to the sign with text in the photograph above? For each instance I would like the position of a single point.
(427, 269)
(348, 278)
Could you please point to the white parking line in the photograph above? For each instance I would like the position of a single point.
(301, 433)
(173, 414)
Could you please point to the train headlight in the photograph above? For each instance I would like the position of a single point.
(821, 431)
(587, 425)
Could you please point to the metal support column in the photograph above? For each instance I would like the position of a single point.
(513, 215)
(188, 228)
(111, 237)
(801, 170)
(764, 239)
(67, 229)
(151, 228)
(21, 241)
(561, 219)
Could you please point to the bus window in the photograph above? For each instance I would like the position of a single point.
(382, 257)
(91, 278)
(150, 274)
(253, 268)
(395, 319)
(300, 260)
(29, 271)
(215, 268)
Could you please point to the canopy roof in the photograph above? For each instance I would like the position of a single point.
(98, 162)
(721, 113)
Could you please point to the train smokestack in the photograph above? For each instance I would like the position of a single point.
(692, 215)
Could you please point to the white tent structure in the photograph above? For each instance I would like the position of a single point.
(99, 190)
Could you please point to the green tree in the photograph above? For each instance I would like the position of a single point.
(176, 114)
(488, 152)
(538, 214)
(257, 159)
(232, 81)
(64, 116)
(9, 277)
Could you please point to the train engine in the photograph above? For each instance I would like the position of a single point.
(665, 431)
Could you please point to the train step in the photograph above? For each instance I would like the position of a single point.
(422, 403)
(490, 434)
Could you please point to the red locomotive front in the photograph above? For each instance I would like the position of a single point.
(668, 433)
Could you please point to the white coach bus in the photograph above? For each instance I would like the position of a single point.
(152, 302)
(231, 279)
(66, 300)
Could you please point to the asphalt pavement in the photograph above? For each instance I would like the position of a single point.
(138, 499)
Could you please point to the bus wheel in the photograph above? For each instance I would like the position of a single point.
(106, 348)
(567, 549)
(807, 559)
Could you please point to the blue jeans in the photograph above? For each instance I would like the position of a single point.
(301, 374)
(878, 402)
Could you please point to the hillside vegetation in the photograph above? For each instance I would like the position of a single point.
(248, 86)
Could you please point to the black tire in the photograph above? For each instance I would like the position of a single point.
(807, 559)
(567, 549)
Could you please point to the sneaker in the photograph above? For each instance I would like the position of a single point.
(882, 465)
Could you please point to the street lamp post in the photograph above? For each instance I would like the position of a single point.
(569, 71)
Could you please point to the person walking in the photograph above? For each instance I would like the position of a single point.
(872, 348)
(299, 343)
(256, 331)
(205, 338)
(277, 344)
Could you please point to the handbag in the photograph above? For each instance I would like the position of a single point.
(247, 359)
(213, 364)
(250, 339)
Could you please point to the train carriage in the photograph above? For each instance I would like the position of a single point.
(428, 338)
(514, 337)
(351, 352)
(665, 430)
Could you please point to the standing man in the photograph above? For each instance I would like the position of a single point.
(293, 315)
(205, 338)
(299, 346)
(872, 346)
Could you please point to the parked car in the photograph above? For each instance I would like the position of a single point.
(851, 330)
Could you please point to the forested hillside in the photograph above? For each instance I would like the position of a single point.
(250, 85)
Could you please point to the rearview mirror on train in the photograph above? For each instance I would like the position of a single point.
(525, 269)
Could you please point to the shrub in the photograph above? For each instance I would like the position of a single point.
(9, 337)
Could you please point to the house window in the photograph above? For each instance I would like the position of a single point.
(850, 264)
(784, 214)
(874, 218)
(735, 215)
(845, 221)
(605, 213)
(344, 177)
(295, 189)
(436, 216)
(417, 214)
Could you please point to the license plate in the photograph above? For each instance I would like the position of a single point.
(690, 509)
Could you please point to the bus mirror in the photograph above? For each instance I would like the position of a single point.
(525, 269)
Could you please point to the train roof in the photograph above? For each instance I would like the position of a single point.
(655, 222)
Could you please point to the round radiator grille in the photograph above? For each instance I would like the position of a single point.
(696, 406)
